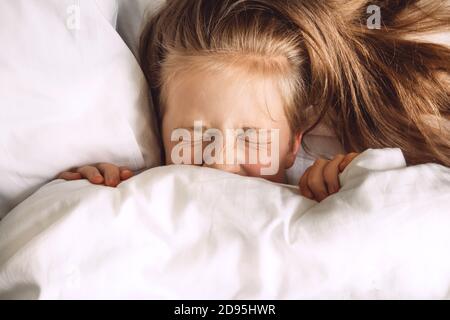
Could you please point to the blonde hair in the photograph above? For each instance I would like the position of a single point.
(375, 88)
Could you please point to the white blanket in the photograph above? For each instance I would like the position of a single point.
(197, 233)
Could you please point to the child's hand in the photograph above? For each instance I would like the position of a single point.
(322, 178)
(102, 173)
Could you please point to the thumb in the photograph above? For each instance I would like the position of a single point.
(347, 160)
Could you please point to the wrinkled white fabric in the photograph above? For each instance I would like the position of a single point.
(197, 233)
(71, 94)
(132, 17)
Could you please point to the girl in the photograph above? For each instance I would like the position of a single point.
(307, 63)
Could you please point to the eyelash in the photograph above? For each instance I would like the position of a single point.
(246, 140)
(255, 143)
(247, 144)
(192, 142)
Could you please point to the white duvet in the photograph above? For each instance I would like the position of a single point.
(196, 233)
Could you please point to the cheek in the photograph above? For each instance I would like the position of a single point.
(168, 152)
(177, 150)
(168, 146)
(254, 170)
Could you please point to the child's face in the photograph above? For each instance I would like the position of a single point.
(222, 102)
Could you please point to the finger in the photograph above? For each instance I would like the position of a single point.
(91, 173)
(125, 173)
(348, 158)
(316, 181)
(111, 173)
(303, 184)
(69, 176)
(331, 174)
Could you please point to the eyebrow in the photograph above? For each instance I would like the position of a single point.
(251, 128)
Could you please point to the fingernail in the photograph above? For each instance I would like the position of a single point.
(98, 179)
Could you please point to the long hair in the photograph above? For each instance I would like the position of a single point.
(376, 88)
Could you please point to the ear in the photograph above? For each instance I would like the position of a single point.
(295, 148)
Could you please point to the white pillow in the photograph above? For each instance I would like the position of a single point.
(109, 9)
(71, 94)
(132, 17)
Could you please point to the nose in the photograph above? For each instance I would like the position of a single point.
(231, 167)
(236, 169)
(224, 163)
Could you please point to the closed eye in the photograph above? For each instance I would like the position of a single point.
(191, 142)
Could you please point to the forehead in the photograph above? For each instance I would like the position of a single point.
(230, 96)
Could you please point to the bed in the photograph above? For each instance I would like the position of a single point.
(179, 232)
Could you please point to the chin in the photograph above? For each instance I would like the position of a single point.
(278, 178)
